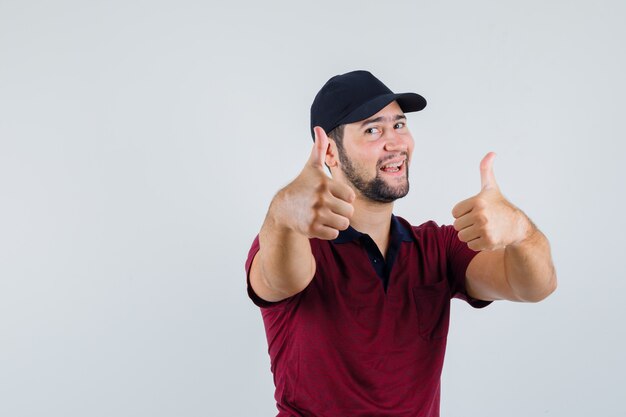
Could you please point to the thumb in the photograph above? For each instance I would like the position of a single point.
(487, 178)
(318, 154)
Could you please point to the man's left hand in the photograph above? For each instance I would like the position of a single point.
(488, 221)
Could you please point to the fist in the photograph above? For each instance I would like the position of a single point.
(488, 221)
(314, 204)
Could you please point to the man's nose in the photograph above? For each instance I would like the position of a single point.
(395, 142)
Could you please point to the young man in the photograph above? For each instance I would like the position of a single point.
(355, 300)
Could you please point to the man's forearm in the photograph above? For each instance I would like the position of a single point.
(529, 268)
(285, 259)
(311, 206)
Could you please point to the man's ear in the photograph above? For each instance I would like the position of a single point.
(332, 157)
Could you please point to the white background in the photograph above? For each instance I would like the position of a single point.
(141, 142)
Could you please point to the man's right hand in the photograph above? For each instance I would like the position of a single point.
(314, 204)
(311, 206)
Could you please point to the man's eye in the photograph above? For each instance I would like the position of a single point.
(372, 130)
(400, 125)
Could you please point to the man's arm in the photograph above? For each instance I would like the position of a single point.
(515, 262)
(313, 205)
(519, 272)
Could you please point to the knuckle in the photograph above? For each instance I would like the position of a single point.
(311, 229)
(316, 217)
(319, 202)
(475, 246)
(323, 186)
(316, 210)
(325, 233)
(310, 232)
(350, 212)
(489, 241)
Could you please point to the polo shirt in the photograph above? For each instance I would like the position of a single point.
(356, 342)
(382, 265)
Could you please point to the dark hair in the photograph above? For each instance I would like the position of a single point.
(337, 135)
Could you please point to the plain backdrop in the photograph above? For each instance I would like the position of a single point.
(142, 141)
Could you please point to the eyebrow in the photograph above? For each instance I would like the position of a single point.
(381, 119)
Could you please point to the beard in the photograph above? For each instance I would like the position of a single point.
(375, 189)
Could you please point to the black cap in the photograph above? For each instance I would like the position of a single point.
(355, 96)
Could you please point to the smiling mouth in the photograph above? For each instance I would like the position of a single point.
(393, 167)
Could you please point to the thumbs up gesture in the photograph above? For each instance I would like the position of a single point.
(314, 204)
(487, 221)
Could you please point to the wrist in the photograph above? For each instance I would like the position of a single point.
(527, 229)
(279, 214)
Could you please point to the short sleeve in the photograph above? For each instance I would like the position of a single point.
(458, 256)
(258, 301)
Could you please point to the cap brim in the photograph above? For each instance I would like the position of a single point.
(408, 102)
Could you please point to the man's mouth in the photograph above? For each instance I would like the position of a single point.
(392, 167)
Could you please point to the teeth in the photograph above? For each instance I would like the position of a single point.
(396, 165)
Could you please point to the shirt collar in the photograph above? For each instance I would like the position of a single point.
(397, 227)
(398, 231)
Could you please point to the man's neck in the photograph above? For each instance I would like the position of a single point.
(373, 219)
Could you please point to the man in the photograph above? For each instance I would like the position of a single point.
(355, 300)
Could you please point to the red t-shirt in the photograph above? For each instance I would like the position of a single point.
(345, 347)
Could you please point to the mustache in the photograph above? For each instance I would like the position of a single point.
(389, 158)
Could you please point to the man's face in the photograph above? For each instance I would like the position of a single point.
(375, 154)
